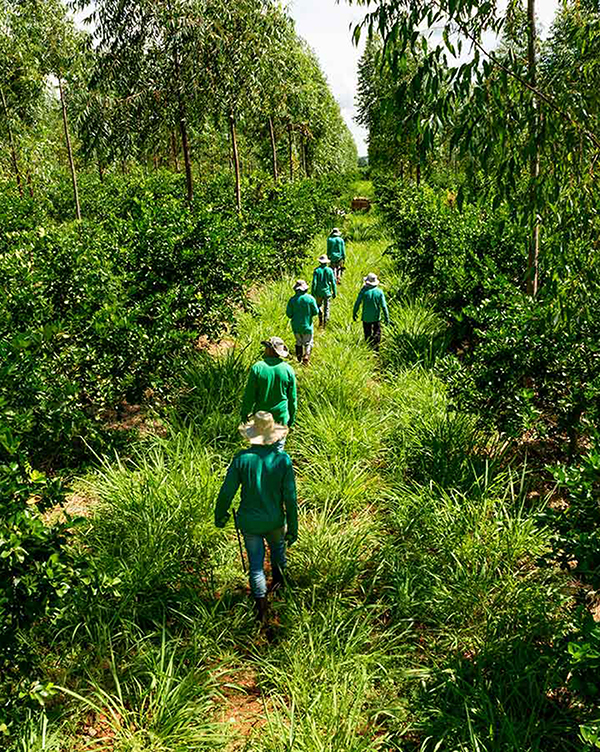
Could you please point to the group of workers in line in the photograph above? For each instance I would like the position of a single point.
(268, 511)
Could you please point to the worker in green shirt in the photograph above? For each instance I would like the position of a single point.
(336, 251)
(268, 503)
(372, 299)
(271, 386)
(301, 309)
(323, 288)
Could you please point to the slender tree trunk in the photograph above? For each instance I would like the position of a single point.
(183, 131)
(236, 162)
(174, 151)
(69, 149)
(124, 166)
(13, 150)
(305, 158)
(155, 160)
(418, 173)
(273, 149)
(534, 165)
(291, 150)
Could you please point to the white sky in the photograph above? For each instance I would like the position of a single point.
(326, 27)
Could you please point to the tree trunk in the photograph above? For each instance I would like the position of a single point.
(174, 151)
(13, 150)
(305, 158)
(273, 149)
(155, 160)
(291, 150)
(183, 131)
(236, 162)
(418, 171)
(69, 149)
(534, 165)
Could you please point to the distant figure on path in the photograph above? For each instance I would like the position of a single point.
(372, 299)
(272, 387)
(336, 250)
(323, 288)
(268, 502)
(301, 309)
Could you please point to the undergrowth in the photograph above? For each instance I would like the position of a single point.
(417, 616)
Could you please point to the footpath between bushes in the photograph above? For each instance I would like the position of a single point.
(417, 617)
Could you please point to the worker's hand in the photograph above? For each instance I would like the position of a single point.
(291, 538)
(222, 521)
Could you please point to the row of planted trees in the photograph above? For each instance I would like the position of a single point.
(518, 124)
(189, 84)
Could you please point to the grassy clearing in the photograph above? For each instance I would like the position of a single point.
(417, 620)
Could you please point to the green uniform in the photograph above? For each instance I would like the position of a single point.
(301, 309)
(271, 387)
(323, 283)
(336, 249)
(268, 497)
(373, 303)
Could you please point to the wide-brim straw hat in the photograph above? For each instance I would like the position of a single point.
(323, 259)
(301, 285)
(335, 231)
(278, 345)
(371, 280)
(262, 430)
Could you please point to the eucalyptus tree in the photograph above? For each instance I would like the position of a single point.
(148, 53)
(22, 83)
(236, 45)
(461, 95)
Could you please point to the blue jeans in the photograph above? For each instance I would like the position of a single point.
(255, 547)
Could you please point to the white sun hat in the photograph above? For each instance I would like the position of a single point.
(371, 280)
(301, 285)
(335, 231)
(262, 430)
(323, 259)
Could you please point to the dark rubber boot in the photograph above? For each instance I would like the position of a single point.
(299, 351)
(261, 610)
(306, 360)
(320, 319)
(278, 581)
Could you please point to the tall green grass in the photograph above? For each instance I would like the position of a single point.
(416, 618)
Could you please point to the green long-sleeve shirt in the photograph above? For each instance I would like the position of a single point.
(373, 305)
(301, 309)
(323, 282)
(272, 387)
(336, 248)
(268, 497)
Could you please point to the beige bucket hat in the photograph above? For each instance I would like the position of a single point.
(371, 280)
(262, 430)
(301, 285)
(323, 259)
(277, 344)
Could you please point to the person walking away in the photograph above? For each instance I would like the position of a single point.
(323, 288)
(336, 250)
(301, 309)
(271, 387)
(372, 299)
(268, 503)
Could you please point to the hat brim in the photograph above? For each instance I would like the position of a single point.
(256, 438)
(370, 284)
(324, 260)
(300, 288)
